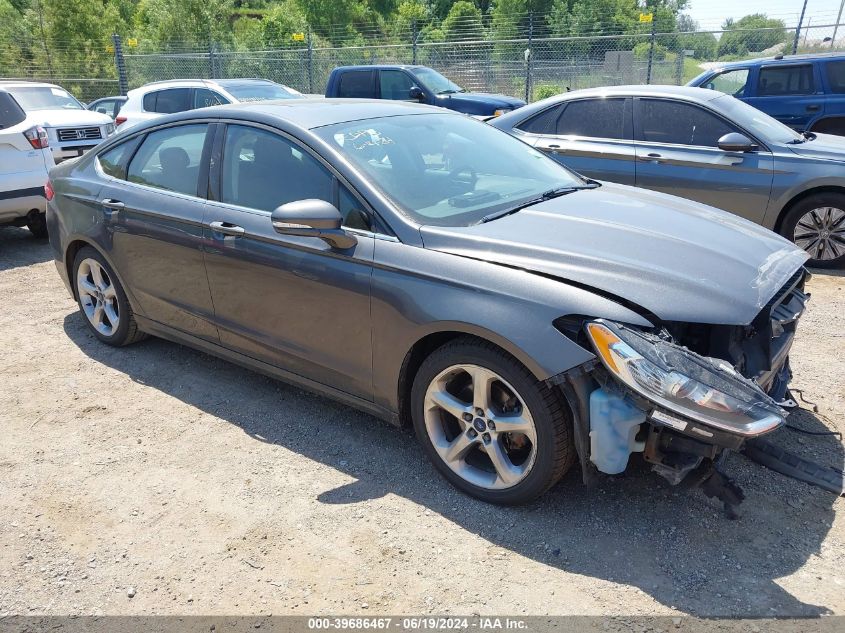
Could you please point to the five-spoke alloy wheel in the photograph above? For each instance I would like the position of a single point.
(97, 296)
(488, 425)
(817, 224)
(102, 300)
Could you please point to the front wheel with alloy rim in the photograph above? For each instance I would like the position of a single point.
(102, 300)
(488, 425)
(817, 224)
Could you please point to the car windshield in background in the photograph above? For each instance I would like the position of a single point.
(447, 170)
(44, 98)
(247, 92)
(758, 123)
(435, 82)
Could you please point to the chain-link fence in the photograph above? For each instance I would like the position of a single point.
(528, 57)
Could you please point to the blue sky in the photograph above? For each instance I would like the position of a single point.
(711, 13)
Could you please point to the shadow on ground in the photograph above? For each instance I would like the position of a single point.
(674, 545)
(18, 247)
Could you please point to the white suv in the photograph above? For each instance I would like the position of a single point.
(71, 129)
(25, 159)
(178, 95)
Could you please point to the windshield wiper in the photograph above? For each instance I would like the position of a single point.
(546, 195)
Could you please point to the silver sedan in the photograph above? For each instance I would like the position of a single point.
(701, 145)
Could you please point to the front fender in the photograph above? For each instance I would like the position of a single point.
(418, 292)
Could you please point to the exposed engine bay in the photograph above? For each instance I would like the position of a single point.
(686, 394)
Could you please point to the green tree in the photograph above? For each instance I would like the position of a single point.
(463, 22)
(178, 23)
(753, 33)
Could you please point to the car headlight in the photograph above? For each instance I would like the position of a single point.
(110, 129)
(703, 389)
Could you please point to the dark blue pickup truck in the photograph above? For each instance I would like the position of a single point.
(415, 83)
(806, 92)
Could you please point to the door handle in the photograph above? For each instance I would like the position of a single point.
(652, 158)
(109, 203)
(814, 107)
(553, 146)
(227, 228)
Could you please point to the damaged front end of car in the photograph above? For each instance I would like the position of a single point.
(685, 394)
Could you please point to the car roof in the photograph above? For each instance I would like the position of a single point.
(684, 92)
(779, 59)
(380, 67)
(317, 112)
(193, 83)
(22, 83)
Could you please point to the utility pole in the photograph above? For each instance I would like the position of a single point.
(798, 30)
(836, 26)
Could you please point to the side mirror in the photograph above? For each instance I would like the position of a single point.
(736, 142)
(416, 93)
(312, 218)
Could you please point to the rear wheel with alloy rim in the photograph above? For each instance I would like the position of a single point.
(488, 425)
(817, 224)
(102, 300)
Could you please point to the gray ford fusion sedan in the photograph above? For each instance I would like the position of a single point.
(438, 273)
(702, 145)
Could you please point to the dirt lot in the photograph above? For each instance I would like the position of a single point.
(197, 487)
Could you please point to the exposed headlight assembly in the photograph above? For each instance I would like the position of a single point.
(706, 390)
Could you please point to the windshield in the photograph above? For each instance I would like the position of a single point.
(447, 169)
(246, 92)
(44, 98)
(435, 82)
(758, 123)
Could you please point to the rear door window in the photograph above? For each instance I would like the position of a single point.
(356, 84)
(544, 122)
(785, 80)
(836, 76)
(113, 162)
(170, 159)
(10, 112)
(596, 118)
(168, 101)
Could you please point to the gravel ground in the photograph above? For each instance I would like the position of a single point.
(158, 480)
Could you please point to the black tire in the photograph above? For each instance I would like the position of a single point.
(555, 450)
(37, 224)
(799, 209)
(127, 331)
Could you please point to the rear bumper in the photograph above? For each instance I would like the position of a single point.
(17, 203)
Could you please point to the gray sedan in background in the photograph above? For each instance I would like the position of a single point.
(701, 145)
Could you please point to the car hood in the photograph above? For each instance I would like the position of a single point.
(61, 118)
(677, 259)
(824, 146)
(498, 101)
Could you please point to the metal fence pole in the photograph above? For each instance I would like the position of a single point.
(414, 34)
(310, 61)
(120, 65)
(528, 56)
(651, 50)
(679, 67)
(798, 29)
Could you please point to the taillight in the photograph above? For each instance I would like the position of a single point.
(37, 137)
(120, 120)
(48, 190)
